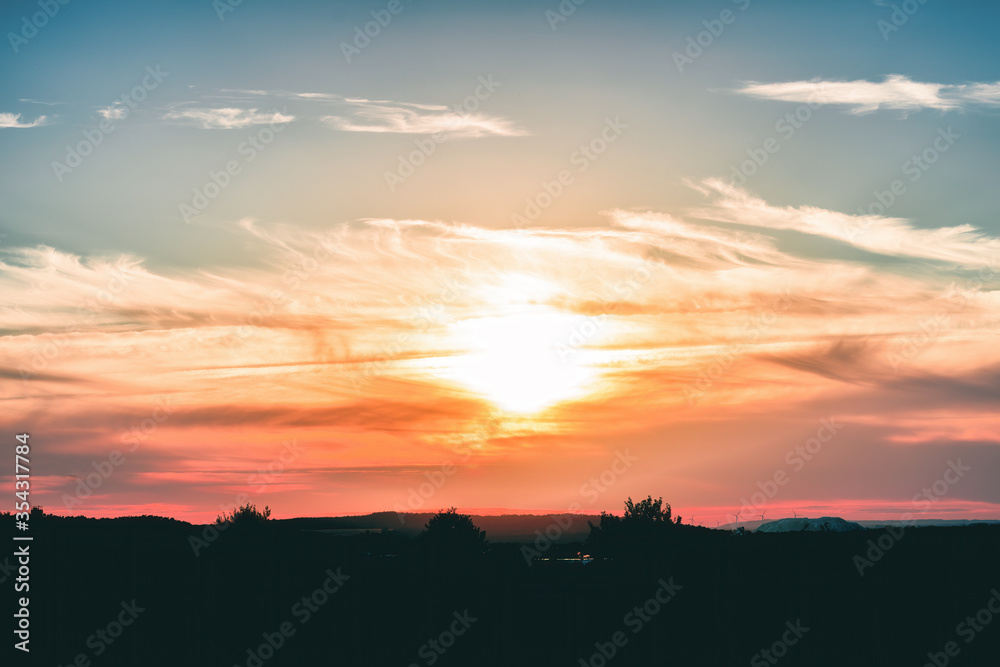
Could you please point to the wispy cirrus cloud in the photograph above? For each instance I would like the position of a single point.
(985, 93)
(227, 118)
(405, 118)
(237, 93)
(894, 92)
(349, 114)
(13, 120)
(895, 237)
(315, 96)
(48, 104)
(343, 339)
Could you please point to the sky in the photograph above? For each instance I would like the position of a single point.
(344, 257)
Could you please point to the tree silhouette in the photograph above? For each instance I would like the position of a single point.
(452, 545)
(247, 515)
(448, 528)
(646, 511)
(647, 526)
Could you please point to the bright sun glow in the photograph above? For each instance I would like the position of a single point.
(522, 362)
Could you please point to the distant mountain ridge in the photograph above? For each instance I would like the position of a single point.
(754, 525)
(499, 528)
(798, 524)
(522, 527)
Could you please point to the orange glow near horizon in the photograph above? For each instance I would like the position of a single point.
(377, 367)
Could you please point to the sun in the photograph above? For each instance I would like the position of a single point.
(523, 362)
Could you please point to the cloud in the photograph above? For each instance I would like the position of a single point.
(985, 93)
(14, 121)
(699, 245)
(350, 114)
(852, 361)
(896, 237)
(405, 118)
(243, 92)
(228, 118)
(895, 92)
(114, 112)
(343, 338)
(315, 96)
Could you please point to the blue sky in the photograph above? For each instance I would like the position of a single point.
(558, 85)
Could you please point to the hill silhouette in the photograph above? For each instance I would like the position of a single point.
(501, 528)
(654, 592)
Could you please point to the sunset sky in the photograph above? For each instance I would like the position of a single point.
(640, 248)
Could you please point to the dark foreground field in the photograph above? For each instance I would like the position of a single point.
(133, 592)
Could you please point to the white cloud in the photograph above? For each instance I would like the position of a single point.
(351, 115)
(986, 93)
(896, 237)
(895, 92)
(14, 120)
(405, 118)
(113, 112)
(278, 93)
(244, 91)
(699, 244)
(315, 96)
(228, 118)
(48, 104)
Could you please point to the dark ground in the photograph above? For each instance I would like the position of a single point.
(737, 594)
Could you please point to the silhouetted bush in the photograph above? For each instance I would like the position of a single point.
(449, 529)
(452, 545)
(247, 515)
